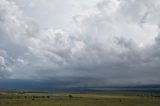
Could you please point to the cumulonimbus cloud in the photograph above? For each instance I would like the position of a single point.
(116, 45)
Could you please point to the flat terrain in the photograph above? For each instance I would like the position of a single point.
(79, 99)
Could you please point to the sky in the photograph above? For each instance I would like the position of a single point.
(75, 43)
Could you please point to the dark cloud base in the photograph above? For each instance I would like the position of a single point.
(57, 86)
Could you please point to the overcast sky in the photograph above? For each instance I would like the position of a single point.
(81, 42)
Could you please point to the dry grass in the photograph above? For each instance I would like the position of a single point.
(62, 99)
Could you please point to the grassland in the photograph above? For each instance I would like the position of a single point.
(79, 99)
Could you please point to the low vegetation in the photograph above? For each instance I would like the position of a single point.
(79, 99)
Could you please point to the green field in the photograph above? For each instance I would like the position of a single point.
(79, 99)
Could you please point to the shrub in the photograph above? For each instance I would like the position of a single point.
(70, 96)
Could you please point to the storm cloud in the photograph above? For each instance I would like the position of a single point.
(111, 42)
